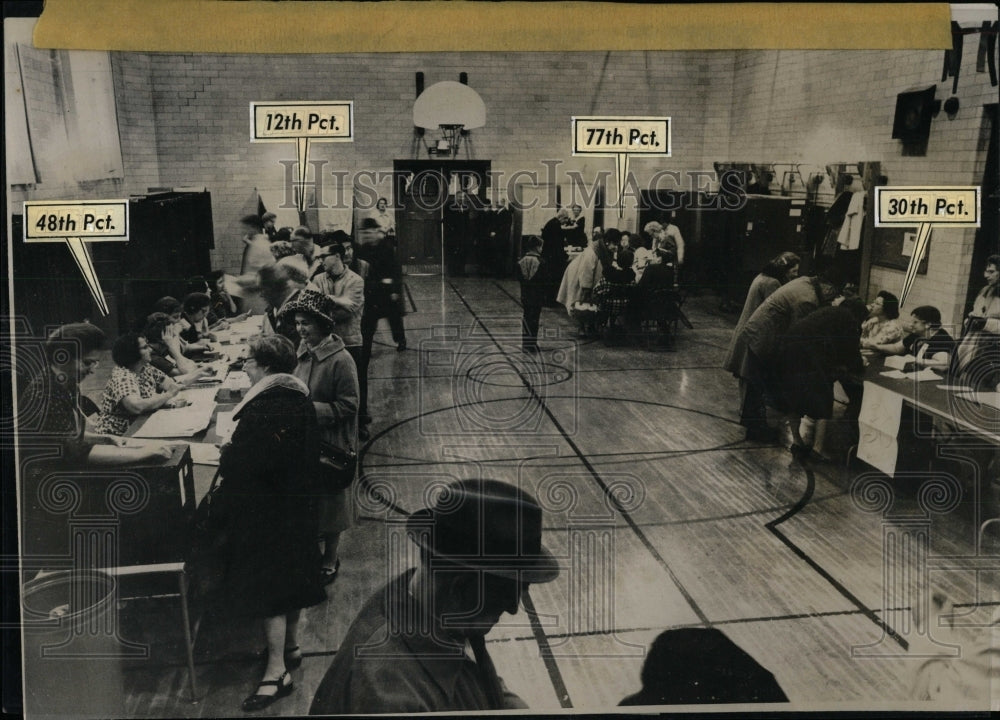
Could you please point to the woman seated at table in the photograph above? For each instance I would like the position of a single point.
(329, 371)
(266, 503)
(172, 308)
(194, 324)
(882, 326)
(930, 345)
(222, 304)
(49, 407)
(166, 351)
(135, 386)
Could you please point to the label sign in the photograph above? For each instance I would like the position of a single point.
(48, 221)
(278, 121)
(955, 206)
(611, 135)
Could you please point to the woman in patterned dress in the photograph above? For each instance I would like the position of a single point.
(135, 386)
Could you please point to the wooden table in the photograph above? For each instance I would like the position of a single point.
(897, 417)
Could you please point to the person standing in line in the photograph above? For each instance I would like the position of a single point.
(346, 293)
(772, 276)
(279, 284)
(329, 372)
(531, 274)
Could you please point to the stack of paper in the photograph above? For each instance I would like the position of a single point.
(176, 422)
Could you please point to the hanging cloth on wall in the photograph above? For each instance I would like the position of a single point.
(849, 237)
(835, 218)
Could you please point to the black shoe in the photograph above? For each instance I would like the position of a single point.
(259, 702)
(363, 433)
(365, 419)
(762, 434)
(401, 347)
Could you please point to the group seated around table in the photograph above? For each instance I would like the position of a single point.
(608, 289)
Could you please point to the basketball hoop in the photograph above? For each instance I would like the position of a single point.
(454, 109)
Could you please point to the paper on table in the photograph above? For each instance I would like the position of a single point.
(176, 422)
(983, 398)
(894, 374)
(955, 388)
(924, 375)
(898, 362)
(204, 454)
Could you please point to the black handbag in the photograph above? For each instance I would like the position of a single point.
(208, 543)
(337, 467)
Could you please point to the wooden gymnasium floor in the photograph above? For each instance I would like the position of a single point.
(665, 516)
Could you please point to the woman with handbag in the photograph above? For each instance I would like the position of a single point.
(326, 367)
(264, 507)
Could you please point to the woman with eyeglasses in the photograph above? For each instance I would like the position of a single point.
(49, 411)
(135, 386)
(265, 503)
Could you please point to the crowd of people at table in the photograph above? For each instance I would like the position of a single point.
(610, 284)
(307, 369)
(797, 336)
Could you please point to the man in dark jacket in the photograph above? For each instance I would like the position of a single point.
(411, 648)
(383, 286)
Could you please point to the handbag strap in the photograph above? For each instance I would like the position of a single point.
(215, 482)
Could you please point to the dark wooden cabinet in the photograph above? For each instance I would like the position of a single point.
(170, 241)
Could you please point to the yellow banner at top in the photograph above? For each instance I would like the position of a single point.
(257, 26)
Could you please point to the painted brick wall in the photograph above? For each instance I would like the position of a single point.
(819, 107)
(200, 118)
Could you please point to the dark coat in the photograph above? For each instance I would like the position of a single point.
(266, 504)
(384, 278)
(816, 351)
(406, 669)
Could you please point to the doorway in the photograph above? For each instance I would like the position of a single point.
(423, 189)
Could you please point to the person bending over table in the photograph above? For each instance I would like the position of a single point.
(930, 345)
(326, 367)
(136, 386)
(817, 350)
(977, 357)
(266, 502)
(49, 412)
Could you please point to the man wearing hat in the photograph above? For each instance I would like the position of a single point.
(418, 644)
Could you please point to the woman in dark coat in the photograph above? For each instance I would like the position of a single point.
(818, 350)
(267, 509)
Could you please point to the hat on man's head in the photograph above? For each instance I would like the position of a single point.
(486, 525)
(312, 303)
(369, 224)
